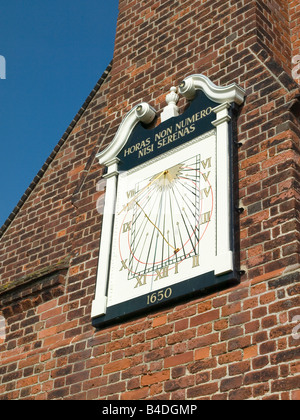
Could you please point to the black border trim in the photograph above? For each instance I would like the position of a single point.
(200, 285)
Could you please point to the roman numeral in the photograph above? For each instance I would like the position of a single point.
(124, 266)
(196, 261)
(205, 218)
(126, 227)
(206, 176)
(176, 268)
(130, 194)
(140, 281)
(160, 274)
(205, 191)
(206, 163)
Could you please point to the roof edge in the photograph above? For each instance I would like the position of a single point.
(56, 149)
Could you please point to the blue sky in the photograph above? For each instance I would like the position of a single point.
(55, 52)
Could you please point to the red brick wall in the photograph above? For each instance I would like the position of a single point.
(274, 30)
(294, 8)
(235, 344)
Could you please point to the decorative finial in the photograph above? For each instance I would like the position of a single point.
(172, 97)
(171, 110)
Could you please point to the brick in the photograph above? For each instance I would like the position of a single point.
(239, 319)
(181, 336)
(77, 378)
(219, 349)
(181, 325)
(260, 362)
(47, 306)
(159, 321)
(268, 347)
(220, 325)
(239, 343)
(232, 383)
(185, 382)
(250, 352)
(238, 295)
(219, 302)
(138, 394)
(240, 394)
(219, 373)
(202, 353)
(159, 331)
(235, 356)
(202, 390)
(30, 361)
(267, 298)
(239, 368)
(202, 365)
(155, 378)
(178, 360)
(287, 384)
(264, 375)
(285, 356)
(296, 395)
(116, 366)
(204, 307)
(204, 318)
(231, 309)
(22, 383)
(232, 333)
(51, 313)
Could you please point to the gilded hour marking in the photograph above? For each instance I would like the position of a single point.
(124, 266)
(206, 176)
(205, 218)
(196, 261)
(130, 194)
(206, 163)
(206, 192)
(176, 268)
(160, 274)
(140, 281)
(127, 227)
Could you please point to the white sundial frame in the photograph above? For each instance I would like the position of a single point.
(225, 96)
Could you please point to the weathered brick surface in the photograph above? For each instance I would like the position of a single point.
(234, 344)
(294, 9)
